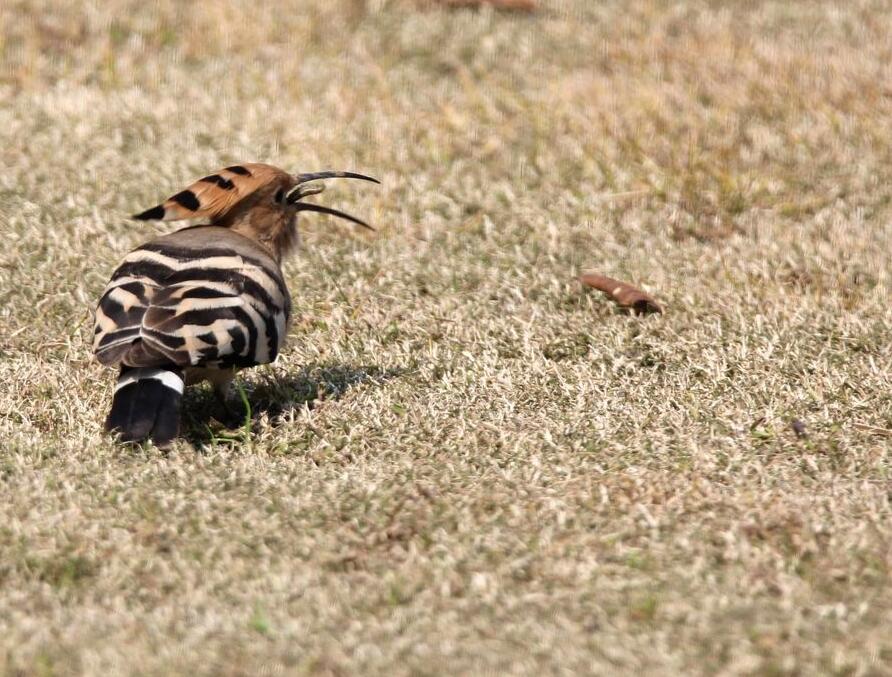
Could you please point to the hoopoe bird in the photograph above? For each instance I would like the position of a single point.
(205, 301)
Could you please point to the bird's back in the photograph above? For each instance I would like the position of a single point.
(203, 296)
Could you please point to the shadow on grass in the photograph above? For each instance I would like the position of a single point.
(206, 420)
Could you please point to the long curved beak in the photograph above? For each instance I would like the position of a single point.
(297, 195)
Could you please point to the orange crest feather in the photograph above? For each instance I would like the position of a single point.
(214, 195)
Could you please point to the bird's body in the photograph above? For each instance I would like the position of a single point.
(204, 301)
(200, 296)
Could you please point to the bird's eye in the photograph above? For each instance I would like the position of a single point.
(280, 195)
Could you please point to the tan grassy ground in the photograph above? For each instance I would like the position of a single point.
(465, 463)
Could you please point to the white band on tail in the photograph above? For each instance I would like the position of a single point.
(169, 379)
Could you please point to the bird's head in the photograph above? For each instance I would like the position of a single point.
(256, 200)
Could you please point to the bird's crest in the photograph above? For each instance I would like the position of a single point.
(215, 194)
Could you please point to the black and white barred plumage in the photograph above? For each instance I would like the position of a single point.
(203, 296)
(204, 301)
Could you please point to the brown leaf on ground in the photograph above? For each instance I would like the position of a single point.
(516, 5)
(625, 295)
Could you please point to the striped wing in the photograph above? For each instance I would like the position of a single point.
(215, 194)
(191, 306)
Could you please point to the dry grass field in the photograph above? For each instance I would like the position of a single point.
(464, 462)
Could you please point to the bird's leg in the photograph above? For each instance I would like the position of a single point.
(234, 410)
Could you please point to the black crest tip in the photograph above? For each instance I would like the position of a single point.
(156, 213)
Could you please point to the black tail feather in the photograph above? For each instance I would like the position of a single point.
(146, 405)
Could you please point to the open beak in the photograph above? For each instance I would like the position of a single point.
(295, 197)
